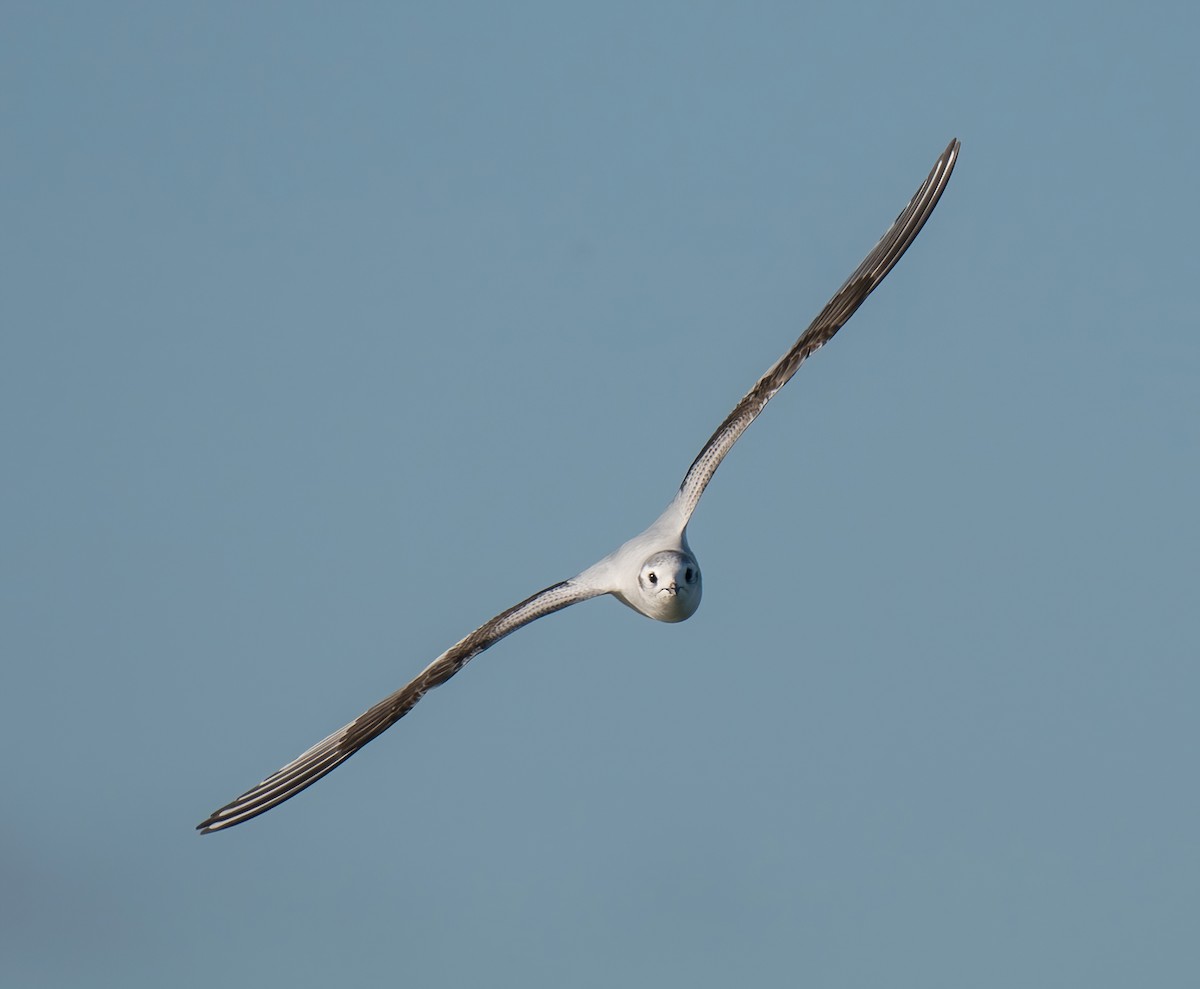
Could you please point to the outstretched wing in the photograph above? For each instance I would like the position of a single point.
(839, 309)
(331, 752)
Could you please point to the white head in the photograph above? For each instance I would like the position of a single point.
(669, 586)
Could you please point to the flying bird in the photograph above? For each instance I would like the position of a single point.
(654, 573)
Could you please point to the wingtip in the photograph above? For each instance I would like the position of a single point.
(219, 820)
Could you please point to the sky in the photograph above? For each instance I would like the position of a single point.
(328, 332)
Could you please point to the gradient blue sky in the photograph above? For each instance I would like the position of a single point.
(329, 331)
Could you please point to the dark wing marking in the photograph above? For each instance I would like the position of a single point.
(839, 309)
(331, 752)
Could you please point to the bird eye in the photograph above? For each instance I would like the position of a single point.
(652, 577)
(688, 575)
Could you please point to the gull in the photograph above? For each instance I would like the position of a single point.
(654, 573)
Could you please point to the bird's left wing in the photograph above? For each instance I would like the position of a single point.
(331, 752)
(832, 318)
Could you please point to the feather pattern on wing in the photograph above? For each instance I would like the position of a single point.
(832, 318)
(331, 752)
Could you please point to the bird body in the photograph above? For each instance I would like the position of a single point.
(654, 573)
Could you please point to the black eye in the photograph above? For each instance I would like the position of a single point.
(687, 575)
(652, 577)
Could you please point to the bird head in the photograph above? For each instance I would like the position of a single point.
(669, 586)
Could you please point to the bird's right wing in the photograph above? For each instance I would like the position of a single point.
(832, 318)
(331, 752)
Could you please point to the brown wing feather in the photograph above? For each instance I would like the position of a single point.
(331, 752)
(833, 317)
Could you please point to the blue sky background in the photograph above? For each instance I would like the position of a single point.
(328, 332)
